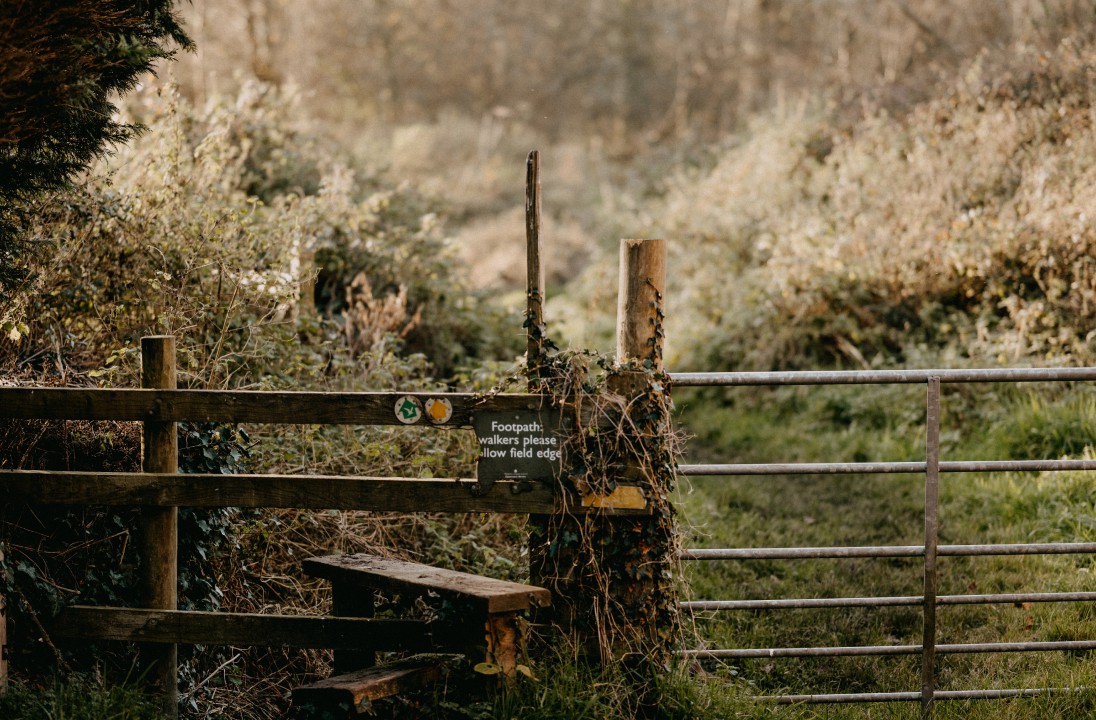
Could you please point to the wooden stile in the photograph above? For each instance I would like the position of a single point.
(480, 594)
(479, 609)
(483, 607)
(352, 694)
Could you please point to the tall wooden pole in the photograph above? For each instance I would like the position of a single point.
(534, 313)
(540, 526)
(159, 526)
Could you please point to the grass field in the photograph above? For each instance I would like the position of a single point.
(887, 423)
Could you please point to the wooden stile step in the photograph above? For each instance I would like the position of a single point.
(352, 694)
(485, 595)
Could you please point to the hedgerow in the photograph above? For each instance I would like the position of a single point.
(959, 230)
(208, 227)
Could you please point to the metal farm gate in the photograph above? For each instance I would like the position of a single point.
(930, 550)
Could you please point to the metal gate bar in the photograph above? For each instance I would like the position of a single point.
(883, 650)
(886, 551)
(894, 601)
(932, 468)
(915, 696)
(878, 377)
(882, 468)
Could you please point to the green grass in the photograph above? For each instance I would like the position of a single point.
(77, 697)
(887, 423)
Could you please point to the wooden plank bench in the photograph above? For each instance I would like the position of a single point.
(476, 609)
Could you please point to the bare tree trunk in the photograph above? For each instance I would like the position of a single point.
(262, 37)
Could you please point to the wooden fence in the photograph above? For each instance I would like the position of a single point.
(160, 489)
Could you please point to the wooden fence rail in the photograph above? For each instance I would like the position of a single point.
(247, 406)
(310, 492)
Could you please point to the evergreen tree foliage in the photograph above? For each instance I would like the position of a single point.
(61, 62)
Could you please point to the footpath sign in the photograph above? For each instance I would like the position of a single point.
(518, 446)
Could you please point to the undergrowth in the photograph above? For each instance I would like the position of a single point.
(78, 697)
(205, 228)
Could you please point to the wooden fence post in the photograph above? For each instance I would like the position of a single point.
(534, 294)
(158, 539)
(539, 525)
(639, 301)
(3, 639)
(649, 599)
(613, 575)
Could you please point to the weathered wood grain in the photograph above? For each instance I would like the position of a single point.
(352, 694)
(215, 628)
(639, 299)
(245, 406)
(479, 594)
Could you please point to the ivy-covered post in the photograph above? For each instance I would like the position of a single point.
(611, 566)
(159, 536)
(644, 547)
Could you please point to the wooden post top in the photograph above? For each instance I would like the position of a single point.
(639, 300)
(482, 594)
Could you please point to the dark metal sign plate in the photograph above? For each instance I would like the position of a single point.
(523, 445)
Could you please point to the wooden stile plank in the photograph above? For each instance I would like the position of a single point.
(354, 692)
(214, 628)
(247, 406)
(481, 594)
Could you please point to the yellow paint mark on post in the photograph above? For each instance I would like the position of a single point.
(623, 497)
